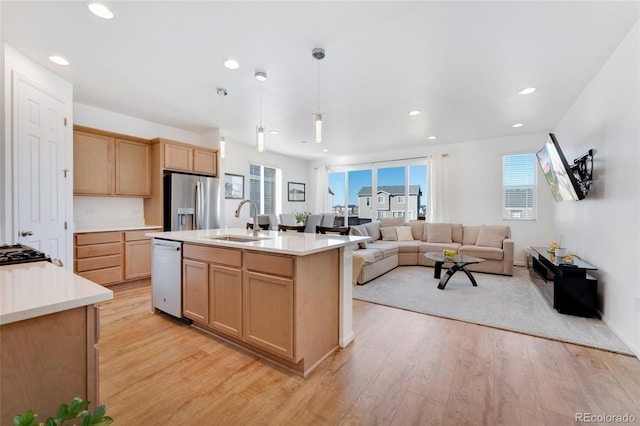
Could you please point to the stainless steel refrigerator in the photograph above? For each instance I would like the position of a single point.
(190, 202)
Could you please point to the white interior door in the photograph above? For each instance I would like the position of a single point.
(40, 169)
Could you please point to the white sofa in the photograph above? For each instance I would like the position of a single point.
(396, 243)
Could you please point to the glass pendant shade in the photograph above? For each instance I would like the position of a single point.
(260, 139)
(318, 128)
(223, 147)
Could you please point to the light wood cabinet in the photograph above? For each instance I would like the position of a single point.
(225, 300)
(98, 256)
(205, 162)
(178, 157)
(268, 313)
(112, 257)
(109, 164)
(93, 164)
(37, 376)
(133, 174)
(195, 290)
(279, 306)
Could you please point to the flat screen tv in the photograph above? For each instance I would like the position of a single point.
(562, 181)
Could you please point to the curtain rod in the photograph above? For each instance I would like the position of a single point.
(384, 161)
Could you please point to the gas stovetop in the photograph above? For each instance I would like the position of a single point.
(10, 254)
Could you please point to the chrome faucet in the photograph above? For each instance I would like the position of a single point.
(256, 228)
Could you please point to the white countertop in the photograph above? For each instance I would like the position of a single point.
(35, 289)
(294, 243)
(110, 228)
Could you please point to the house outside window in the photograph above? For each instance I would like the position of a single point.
(519, 187)
(381, 199)
(398, 214)
(263, 184)
(401, 199)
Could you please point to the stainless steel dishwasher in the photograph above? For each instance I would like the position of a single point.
(166, 276)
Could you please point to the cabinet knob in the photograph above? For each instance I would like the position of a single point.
(26, 233)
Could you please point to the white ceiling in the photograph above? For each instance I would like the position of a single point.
(461, 63)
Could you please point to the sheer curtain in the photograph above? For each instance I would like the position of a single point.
(436, 166)
(322, 190)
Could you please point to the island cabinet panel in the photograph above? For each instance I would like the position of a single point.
(225, 300)
(268, 313)
(133, 168)
(93, 164)
(48, 360)
(195, 290)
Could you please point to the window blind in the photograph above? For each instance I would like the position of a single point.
(519, 185)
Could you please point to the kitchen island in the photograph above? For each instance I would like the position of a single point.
(49, 327)
(285, 296)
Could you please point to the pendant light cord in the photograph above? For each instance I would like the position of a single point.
(318, 87)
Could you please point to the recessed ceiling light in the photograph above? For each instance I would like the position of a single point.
(527, 91)
(432, 138)
(232, 64)
(100, 10)
(325, 150)
(518, 125)
(58, 60)
(414, 112)
(261, 76)
(274, 132)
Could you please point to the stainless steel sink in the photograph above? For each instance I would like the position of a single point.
(238, 238)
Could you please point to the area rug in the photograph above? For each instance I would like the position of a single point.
(510, 303)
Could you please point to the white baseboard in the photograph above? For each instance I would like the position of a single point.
(630, 345)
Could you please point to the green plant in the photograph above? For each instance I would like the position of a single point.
(299, 216)
(77, 408)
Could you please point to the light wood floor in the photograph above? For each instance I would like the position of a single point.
(403, 368)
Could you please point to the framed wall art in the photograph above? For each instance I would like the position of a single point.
(296, 191)
(233, 186)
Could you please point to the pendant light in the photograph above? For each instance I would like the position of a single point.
(222, 142)
(260, 76)
(318, 54)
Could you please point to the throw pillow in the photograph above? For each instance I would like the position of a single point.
(404, 233)
(389, 233)
(491, 236)
(470, 235)
(360, 231)
(438, 232)
(373, 230)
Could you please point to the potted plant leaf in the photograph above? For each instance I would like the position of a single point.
(77, 409)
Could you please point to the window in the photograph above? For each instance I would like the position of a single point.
(519, 187)
(401, 199)
(380, 199)
(263, 184)
(398, 214)
(368, 201)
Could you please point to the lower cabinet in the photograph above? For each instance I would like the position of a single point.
(268, 313)
(282, 307)
(113, 257)
(225, 299)
(195, 290)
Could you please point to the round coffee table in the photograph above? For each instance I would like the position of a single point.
(459, 262)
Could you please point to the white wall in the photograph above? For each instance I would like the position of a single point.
(237, 162)
(97, 118)
(604, 229)
(473, 176)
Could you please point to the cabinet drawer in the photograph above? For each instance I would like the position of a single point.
(269, 264)
(97, 263)
(97, 250)
(139, 235)
(97, 238)
(222, 256)
(103, 276)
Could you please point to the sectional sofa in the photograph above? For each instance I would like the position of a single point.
(396, 243)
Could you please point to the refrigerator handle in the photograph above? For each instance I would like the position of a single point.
(199, 205)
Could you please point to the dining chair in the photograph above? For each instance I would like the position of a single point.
(284, 228)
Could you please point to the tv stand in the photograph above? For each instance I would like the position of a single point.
(575, 292)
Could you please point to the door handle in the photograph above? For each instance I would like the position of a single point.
(26, 233)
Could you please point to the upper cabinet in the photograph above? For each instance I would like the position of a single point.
(93, 164)
(108, 164)
(133, 160)
(188, 158)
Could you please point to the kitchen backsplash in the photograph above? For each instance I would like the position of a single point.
(91, 212)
